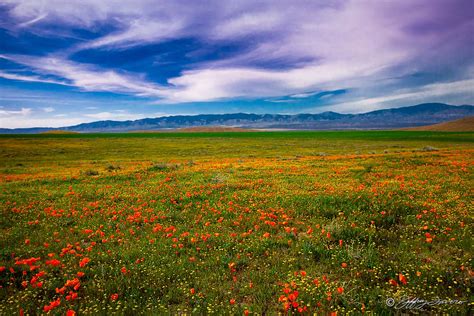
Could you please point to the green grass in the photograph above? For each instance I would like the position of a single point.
(366, 135)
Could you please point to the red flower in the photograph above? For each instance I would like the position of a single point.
(232, 301)
(114, 297)
(84, 262)
(61, 290)
(52, 305)
(340, 290)
(402, 278)
(293, 296)
(53, 262)
(70, 313)
(72, 296)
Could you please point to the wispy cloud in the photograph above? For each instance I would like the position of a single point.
(48, 109)
(139, 32)
(117, 115)
(83, 76)
(10, 113)
(431, 91)
(29, 78)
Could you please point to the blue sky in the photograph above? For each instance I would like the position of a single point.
(68, 62)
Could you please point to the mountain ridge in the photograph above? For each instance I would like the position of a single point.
(393, 118)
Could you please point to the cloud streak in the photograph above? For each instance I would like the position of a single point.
(85, 77)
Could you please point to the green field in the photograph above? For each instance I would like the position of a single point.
(236, 223)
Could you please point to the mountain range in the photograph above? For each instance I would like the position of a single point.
(409, 116)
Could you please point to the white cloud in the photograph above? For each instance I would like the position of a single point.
(48, 109)
(86, 77)
(10, 113)
(29, 78)
(115, 116)
(248, 23)
(26, 122)
(139, 32)
(215, 84)
(432, 92)
(23, 118)
(33, 21)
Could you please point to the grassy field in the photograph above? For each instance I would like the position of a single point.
(236, 223)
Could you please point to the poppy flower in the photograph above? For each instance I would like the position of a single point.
(53, 262)
(402, 278)
(293, 296)
(84, 262)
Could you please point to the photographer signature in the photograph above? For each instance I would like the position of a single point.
(419, 304)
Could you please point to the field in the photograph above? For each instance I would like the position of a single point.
(236, 223)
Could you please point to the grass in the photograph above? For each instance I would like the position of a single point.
(219, 223)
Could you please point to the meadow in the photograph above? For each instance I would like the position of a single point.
(236, 223)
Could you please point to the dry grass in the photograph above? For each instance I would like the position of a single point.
(463, 125)
(213, 129)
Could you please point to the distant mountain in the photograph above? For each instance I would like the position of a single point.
(410, 116)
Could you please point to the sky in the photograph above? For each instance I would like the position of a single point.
(67, 62)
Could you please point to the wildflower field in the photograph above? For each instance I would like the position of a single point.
(236, 223)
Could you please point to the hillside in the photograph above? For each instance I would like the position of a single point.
(211, 129)
(462, 125)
